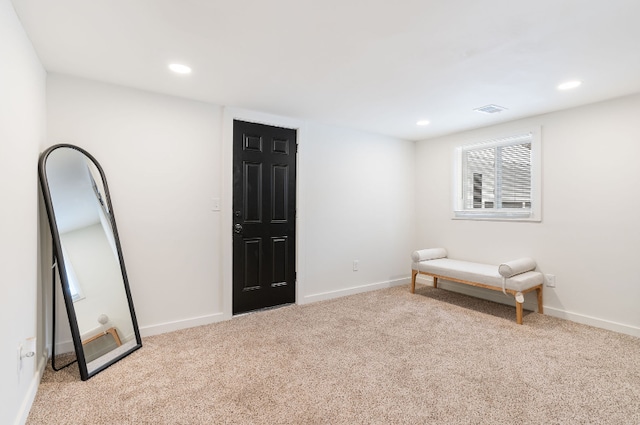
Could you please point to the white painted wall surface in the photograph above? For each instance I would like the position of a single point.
(22, 128)
(161, 156)
(589, 236)
(358, 206)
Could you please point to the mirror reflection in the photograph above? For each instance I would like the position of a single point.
(91, 269)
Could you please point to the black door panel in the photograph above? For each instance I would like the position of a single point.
(264, 205)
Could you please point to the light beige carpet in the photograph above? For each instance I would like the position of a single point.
(383, 357)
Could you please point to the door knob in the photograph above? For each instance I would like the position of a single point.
(237, 228)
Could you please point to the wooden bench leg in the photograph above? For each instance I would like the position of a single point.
(518, 313)
(435, 282)
(540, 308)
(414, 273)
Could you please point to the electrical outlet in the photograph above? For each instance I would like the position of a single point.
(215, 204)
(26, 349)
(355, 265)
(551, 280)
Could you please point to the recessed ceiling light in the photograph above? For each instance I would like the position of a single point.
(569, 85)
(423, 122)
(179, 68)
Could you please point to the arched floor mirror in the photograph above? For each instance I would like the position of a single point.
(88, 259)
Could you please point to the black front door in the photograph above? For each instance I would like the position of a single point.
(264, 213)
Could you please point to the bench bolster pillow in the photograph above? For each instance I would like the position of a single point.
(428, 254)
(515, 267)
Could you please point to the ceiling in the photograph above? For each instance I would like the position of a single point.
(372, 65)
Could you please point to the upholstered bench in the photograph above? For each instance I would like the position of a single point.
(515, 277)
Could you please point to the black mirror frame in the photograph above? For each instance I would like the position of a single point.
(62, 273)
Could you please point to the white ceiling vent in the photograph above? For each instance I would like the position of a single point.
(490, 109)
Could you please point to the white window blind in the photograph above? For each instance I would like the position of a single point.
(496, 179)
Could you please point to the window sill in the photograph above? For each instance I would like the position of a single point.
(496, 216)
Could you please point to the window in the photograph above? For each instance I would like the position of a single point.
(499, 179)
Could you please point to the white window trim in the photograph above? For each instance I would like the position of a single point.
(534, 214)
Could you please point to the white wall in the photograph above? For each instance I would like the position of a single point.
(165, 163)
(22, 128)
(358, 206)
(161, 156)
(589, 236)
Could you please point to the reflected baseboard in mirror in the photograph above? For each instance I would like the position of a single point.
(89, 258)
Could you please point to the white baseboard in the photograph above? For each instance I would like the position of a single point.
(30, 396)
(181, 324)
(593, 321)
(68, 347)
(353, 290)
(531, 303)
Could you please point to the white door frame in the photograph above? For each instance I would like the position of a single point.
(226, 234)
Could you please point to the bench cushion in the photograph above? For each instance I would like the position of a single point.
(479, 273)
(514, 267)
(428, 254)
